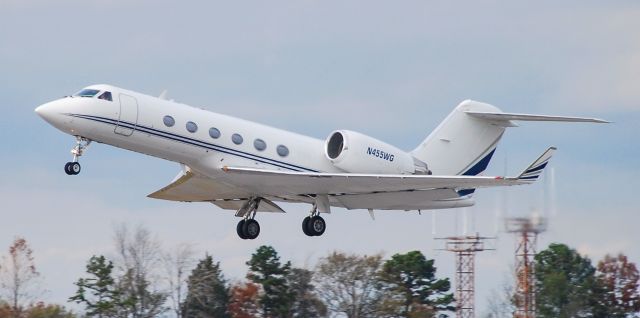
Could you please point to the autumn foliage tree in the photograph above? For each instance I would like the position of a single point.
(244, 301)
(348, 283)
(619, 278)
(18, 276)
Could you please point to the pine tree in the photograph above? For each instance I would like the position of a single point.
(411, 288)
(207, 291)
(566, 286)
(266, 270)
(98, 292)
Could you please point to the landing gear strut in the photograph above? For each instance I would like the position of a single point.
(73, 167)
(248, 228)
(314, 224)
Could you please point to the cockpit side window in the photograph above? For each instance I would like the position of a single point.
(87, 92)
(106, 96)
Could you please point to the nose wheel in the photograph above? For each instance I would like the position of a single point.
(73, 167)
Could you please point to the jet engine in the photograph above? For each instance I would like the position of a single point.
(354, 152)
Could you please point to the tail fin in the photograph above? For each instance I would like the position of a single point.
(465, 141)
(531, 173)
(461, 144)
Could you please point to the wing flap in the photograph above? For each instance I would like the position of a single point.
(278, 183)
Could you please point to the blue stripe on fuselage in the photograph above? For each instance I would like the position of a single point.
(194, 142)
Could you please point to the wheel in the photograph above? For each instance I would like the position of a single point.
(239, 229)
(74, 168)
(251, 229)
(67, 168)
(305, 226)
(316, 226)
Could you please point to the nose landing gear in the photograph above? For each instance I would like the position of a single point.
(73, 167)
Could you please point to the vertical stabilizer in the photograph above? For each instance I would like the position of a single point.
(462, 144)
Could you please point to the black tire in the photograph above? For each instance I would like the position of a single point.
(305, 226)
(251, 229)
(239, 229)
(75, 168)
(67, 168)
(317, 226)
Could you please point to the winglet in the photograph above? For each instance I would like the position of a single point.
(534, 171)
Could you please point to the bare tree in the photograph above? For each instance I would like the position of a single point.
(18, 276)
(139, 256)
(500, 302)
(177, 264)
(348, 283)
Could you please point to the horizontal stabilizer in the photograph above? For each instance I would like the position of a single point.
(534, 170)
(529, 117)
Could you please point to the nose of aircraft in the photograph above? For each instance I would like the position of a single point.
(46, 111)
(52, 112)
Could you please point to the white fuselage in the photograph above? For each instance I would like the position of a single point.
(135, 122)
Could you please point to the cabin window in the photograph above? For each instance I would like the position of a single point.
(282, 150)
(236, 138)
(260, 144)
(214, 133)
(87, 92)
(191, 127)
(168, 121)
(106, 96)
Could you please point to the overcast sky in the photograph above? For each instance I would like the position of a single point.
(388, 69)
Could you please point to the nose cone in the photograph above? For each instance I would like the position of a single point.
(53, 113)
(47, 111)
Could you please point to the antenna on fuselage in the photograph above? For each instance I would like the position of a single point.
(163, 95)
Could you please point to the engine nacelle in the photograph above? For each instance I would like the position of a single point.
(357, 153)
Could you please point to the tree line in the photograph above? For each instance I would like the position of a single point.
(569, 285)
(142, 279)
(340, 284)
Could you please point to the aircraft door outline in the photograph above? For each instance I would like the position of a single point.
(128, 115)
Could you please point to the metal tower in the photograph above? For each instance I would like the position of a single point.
(526, 230)
(465, 249)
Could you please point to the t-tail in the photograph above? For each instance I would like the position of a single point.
(464, 143)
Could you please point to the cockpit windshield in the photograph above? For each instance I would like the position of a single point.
(87, 93)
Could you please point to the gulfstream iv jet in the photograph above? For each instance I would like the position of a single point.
(249, 167)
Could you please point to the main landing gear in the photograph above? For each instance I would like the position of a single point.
(314, 224)
(73, 168)
(248, 228)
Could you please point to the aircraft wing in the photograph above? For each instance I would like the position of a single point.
(287, 183)
(191, 187)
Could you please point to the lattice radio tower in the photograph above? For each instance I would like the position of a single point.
(465, 248)
(526, 230)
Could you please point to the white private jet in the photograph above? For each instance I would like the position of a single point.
(247, 167)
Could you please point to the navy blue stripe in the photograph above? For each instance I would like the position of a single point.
(478, 168)
(466, 192)
(480, 165)
(194, 142)
(537, 168)
(529, 178)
